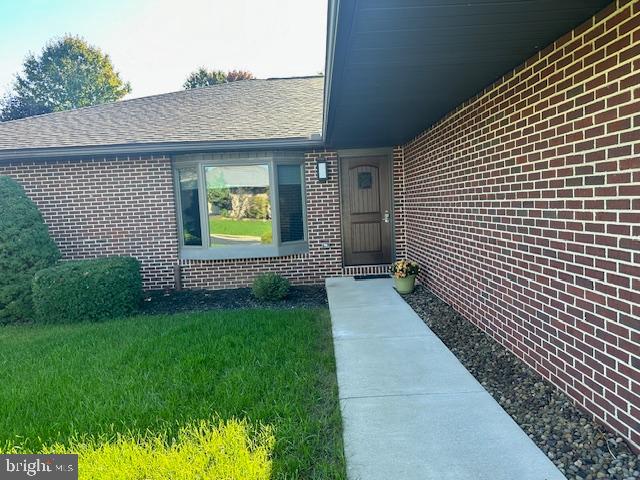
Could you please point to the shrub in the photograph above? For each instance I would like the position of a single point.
(87, 290)
(204, 450)
(266, 237)
(270, 286)
(259, 207)
(25, 248)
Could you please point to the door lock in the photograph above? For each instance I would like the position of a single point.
(387, 217)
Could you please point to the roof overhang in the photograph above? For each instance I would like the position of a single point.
(173, 148)
(394, 67)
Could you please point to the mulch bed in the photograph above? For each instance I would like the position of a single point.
(581, 448)
(159, 302)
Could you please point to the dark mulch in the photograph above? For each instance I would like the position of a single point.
(581, 448)
(160, 302)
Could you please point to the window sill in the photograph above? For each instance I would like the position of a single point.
(243, 253)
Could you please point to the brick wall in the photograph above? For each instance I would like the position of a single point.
(101, 207)
(126, 206)
(523, 205)
(399, 201)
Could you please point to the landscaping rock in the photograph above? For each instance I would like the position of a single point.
(580, 447)
(168, 302)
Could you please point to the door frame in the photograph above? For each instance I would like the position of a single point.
(363, 152)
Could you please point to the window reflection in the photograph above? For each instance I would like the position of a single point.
(239, 206)
(190, 206)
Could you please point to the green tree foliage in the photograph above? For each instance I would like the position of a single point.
(205, 78)
(69, 73)
(25, 248)
(220, 197)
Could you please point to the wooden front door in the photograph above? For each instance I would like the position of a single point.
(366, 209)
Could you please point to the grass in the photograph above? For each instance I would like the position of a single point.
(159, 373)
(205, 450)
(241, 228)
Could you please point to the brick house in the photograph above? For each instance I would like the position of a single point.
(518, 192)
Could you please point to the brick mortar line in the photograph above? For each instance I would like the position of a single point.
(555, 279)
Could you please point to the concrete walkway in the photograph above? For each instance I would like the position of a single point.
(410, 409)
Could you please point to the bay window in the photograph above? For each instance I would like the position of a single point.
(240, 205)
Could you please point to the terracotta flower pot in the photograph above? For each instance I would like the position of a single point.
(406, 284)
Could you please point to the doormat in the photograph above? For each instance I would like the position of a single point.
(370, 277)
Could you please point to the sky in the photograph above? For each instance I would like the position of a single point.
(155, 44)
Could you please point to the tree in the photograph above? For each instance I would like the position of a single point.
(69, 73)
(235, 75)
(205, 78)
(220, 197)
(25, 248)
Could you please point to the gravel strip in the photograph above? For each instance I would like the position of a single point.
(581, 448)
(160, 302)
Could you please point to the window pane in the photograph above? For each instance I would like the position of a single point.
(239, 205)
(190, 205)
(290, 203)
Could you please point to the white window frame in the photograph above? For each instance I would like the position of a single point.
(272, 160)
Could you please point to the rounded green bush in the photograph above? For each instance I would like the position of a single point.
(25, 248)
(87, 290)
(270, 286)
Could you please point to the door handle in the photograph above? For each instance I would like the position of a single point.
(387, 217)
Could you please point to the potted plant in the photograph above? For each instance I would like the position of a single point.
(404, 275)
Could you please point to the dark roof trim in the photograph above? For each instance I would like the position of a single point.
(332, 29)
(335, 61)
(159, 148)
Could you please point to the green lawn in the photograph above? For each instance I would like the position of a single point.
(159, 372)
(243, 228)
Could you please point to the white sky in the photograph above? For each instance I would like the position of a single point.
(155, 44)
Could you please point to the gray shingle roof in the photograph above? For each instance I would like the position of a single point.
(249, 110)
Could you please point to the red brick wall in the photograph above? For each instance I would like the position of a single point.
(126, 206)
(399, 201)
(523, 206)
(104, 207)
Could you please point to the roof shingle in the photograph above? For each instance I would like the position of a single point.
(250, 110)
